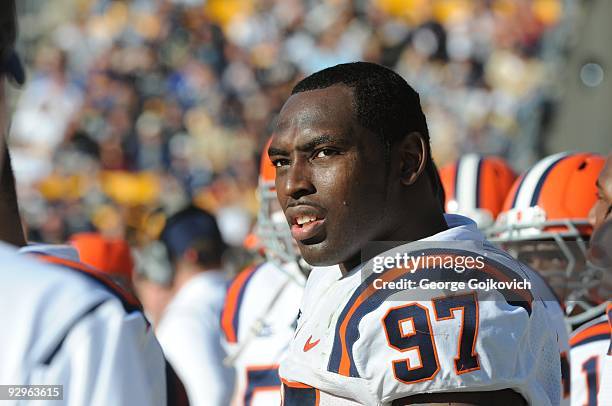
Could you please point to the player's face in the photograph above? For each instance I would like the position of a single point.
(330, 176)
(600, 257)
(602, 209)
(3, 119)
(562, 272)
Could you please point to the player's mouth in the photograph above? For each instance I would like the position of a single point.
(306, 224)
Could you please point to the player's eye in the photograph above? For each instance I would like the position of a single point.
(325, 152)
(277, 163)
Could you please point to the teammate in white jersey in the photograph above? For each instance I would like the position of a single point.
(353, 166)
(262, 303)
(545, 223)
(67, 328)
(476, 186)
(141, 354)
(604, 395)
(258, 322)
(590, 344)
(189, 328)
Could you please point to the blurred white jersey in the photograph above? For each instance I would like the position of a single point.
(358, 342)
(589, 347)
(605, 387)
(258, 322)
(556, 316)
(191, 339)
(68, 328)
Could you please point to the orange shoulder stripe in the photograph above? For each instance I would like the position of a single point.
(230, 307)
(602, 328)
(101, 277)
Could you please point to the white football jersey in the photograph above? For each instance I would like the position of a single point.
(359, 344)
(589, 347)
(556, 316)
(63, 327)
(191, 339)
(258, 321)
(604, 396)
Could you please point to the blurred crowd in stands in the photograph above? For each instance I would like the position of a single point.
(135, 108)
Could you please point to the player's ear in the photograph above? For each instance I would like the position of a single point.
(413, 156)
(190, 255)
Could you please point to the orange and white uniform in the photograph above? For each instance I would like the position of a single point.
(476, 186)
(258, 322)
(68, 326)
(604, 396)
(359, 344)
(589, 348)
(544, 223)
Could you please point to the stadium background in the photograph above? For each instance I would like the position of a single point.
(133, 108)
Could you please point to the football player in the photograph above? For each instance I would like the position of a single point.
(262, 303)
(68, 328)
(476, 186)
(602, 209)
(593, 341)
(600, 258)
(353, 166)
(545, 224)
(189, 328)
(605, 389)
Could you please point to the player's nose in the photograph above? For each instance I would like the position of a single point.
(298, 181)
(593, 214)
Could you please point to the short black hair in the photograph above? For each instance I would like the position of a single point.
(8, 28)
(383, 102)
(197, 229)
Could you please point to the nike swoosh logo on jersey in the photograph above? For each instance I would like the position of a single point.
(309, 345)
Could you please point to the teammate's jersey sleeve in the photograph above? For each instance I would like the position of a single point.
(190, 337)
(233, 312)
(589, 346)
(605, 388)
(66, 329)
(107, 359)
(371, 346)
(258, 321)
(556, 316)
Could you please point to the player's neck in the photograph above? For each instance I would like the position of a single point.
(413, 228)
(184, 274)
(186, 271)
(417, 226)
